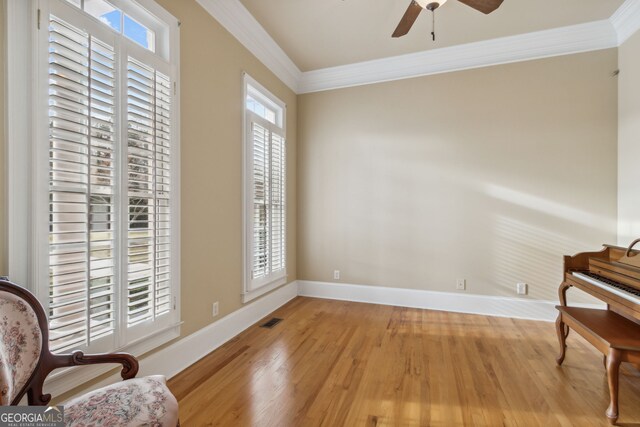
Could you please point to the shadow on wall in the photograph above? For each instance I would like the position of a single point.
(420, 217)
(526, 250)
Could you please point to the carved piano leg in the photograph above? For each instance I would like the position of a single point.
(560, 327)
(613, 367)
(562, 295)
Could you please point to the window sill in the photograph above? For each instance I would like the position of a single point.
(67, 379)
(268, 287)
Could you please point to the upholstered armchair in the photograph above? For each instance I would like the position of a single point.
(25, 362)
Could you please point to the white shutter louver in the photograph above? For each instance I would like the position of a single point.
(81, 187)
(148, 246)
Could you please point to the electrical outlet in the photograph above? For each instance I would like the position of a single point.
(522, 289)
(461, 284)
(336, 274)
(214, 310)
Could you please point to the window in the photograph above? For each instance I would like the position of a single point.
(265, 191)
(107, 268)
(118, 21)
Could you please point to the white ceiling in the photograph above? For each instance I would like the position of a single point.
(326, 33)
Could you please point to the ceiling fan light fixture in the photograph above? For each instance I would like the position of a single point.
(430, 4)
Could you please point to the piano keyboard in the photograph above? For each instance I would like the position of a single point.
(627, 292)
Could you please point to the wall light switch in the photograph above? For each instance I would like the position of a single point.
(461, 284)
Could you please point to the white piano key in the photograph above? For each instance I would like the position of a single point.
(619, 292)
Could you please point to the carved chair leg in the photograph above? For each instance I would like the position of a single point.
(613, 367)
(560, 326)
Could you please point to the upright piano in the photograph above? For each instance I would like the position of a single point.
(613, 276)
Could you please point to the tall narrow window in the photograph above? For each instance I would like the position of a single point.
(111, 138)
(265, 201)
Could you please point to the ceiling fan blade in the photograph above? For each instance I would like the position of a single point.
(484, 6)
(408, 19)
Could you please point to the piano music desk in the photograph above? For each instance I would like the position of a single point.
(617, 338)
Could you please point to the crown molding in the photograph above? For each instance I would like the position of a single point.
(591, 36)
(236, 19)
(626, 20)
(541, 44)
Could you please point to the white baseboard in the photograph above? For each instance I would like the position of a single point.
(194, 347)
(180, 355)
(519, 308)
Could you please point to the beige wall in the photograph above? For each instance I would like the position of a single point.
(489, 175)
(629, 141)
(3, 65)
(212, 62)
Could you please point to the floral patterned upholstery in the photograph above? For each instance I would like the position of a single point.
(136, 402)
(20, 345)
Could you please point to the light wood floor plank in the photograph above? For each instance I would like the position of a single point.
(336, 363)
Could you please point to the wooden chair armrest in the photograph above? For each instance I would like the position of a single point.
(51, 362)
(78, 358)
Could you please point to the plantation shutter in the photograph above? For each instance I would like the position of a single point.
(81, 98)
(268, 216)
(260, 201)
(111, 245)
(148, 167)
(277, 216)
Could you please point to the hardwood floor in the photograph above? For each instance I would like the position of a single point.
(334, 363)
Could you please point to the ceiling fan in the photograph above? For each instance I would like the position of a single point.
(416, 6)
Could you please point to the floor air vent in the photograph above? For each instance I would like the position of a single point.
(271, 323)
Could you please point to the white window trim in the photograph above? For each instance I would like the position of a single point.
(24, 247)
(266, 96)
